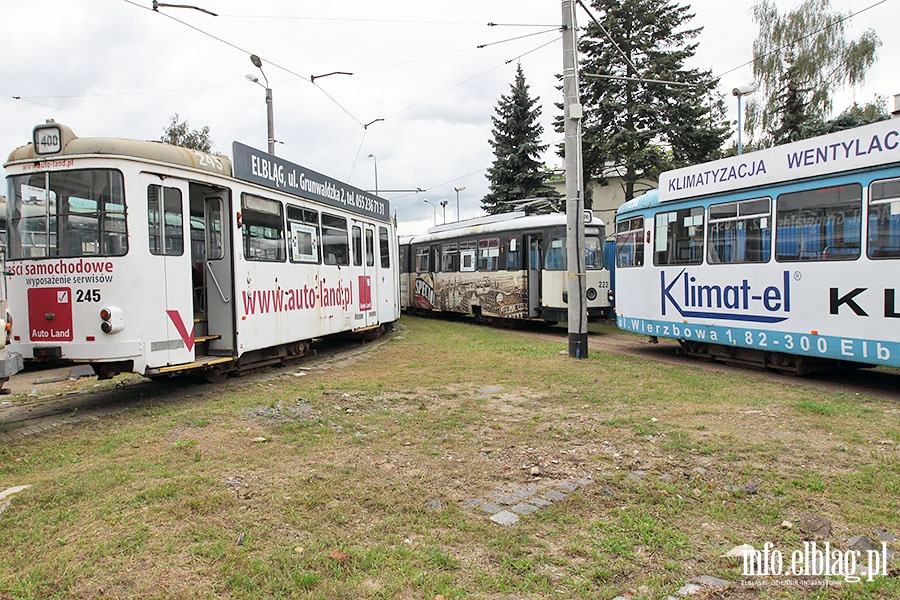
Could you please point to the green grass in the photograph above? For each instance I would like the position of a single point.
(180, 500)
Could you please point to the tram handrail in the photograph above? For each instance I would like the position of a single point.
(216, 281)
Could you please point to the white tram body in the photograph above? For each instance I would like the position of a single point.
(789, 254)
(504, 266)
(145, 257)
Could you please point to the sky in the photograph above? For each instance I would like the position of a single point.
(416, 111)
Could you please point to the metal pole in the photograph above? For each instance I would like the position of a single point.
(740, 145)
(376, 174)
(575, 259)
(270, 120)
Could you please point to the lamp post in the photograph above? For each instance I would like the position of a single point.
(374, 158)
(458, 190)
(434, 209)
(740, 92)
(444, 208)
(270, 118)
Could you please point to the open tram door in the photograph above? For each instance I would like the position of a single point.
(212, 275)
(534, 261)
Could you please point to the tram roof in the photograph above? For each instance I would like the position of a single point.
(512, 221)
(72, 145)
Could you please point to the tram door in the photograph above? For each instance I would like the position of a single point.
(534, 261)
(367, 277)
(171, 326)
(211, 271)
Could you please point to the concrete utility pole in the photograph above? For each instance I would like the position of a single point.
(575, 260)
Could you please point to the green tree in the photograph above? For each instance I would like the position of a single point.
(855, 116)
(179, 134)
(794, 100)
(799, 59)
(633, 126)
(516, 173)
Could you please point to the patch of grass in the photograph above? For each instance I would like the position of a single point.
(183, 500)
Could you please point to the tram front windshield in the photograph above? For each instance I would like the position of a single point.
(67, 214)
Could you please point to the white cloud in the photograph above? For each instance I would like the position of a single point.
(113, 68)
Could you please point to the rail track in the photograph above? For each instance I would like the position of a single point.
(44, 412)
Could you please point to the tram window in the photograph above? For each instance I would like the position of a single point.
(467, 256)
(555, 257)
(423, 256)
(215, 245)
(357, 245)
(740, 232)
(384, 246)
(263, 227)
(404, 266)
(450, 262)
(513, 254)
(165, 220)
(67, 214)
(489, 254)
(679, 237)
(335, 242)
(819, 224)
(435, 260)
(884, 219)
(304, 231)
(593, 252)
(630, 242)
(370, 248)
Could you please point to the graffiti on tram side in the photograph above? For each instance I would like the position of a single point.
(808, 344)
(503, 294)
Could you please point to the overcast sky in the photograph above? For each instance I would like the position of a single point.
(115, 68)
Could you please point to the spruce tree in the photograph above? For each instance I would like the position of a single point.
(516, 173)
(635, 127)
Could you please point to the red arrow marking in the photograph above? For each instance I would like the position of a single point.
(182, 330)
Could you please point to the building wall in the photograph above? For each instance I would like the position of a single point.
(606, 198)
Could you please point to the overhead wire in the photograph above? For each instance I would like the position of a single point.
(248, 53)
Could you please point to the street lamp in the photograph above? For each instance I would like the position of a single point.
(434, 209)
(458, 190)
(444, 207)
(374, 158)
(270, 118)
(740, 92)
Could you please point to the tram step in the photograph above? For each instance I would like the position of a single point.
(199, 363)
(205, 338)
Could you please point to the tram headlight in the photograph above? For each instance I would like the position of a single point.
(591, 294)
(112, 319)
(611, 296)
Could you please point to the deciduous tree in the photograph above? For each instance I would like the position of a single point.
(179, 134)
(800, 58)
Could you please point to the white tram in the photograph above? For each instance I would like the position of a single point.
(788, 257)
(504, 266)
(145, 257)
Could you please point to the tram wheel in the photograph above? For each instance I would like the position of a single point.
(214, 375)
